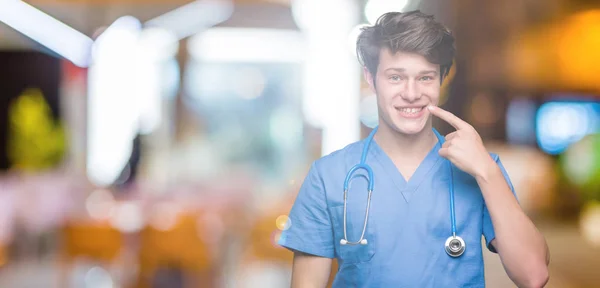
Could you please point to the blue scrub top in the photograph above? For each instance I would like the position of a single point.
(408, 225)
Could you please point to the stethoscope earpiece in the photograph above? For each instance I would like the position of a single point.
(455, 246)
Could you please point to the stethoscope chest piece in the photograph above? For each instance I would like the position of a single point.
(455, 246)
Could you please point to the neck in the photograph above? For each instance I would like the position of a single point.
(402, 146)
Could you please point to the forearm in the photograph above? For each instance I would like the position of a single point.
(522, 248)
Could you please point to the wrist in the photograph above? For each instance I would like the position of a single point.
(487, 170)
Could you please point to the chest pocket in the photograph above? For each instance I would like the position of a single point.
(354, 226)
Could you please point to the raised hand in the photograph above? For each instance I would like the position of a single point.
(463, 147)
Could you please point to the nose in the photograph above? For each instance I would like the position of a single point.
(411, 91)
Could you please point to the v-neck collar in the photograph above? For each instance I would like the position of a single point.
(408, 188)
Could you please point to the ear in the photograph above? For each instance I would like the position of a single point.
(369, 79)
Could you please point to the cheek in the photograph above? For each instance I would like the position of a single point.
(385, 94)
(432, 91)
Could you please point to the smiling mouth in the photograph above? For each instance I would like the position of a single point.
(411, 110)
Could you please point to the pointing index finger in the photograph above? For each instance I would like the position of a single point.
(450, 118)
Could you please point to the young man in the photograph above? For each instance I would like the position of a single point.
(423, 184)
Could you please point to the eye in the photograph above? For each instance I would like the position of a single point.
(395, 78)
(426, 78)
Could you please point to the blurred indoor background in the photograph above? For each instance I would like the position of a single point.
(161, 143)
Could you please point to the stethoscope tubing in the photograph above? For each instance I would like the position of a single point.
(454, 245)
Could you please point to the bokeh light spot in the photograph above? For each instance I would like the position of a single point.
(275, 236)
(590, 223)
(283, 222)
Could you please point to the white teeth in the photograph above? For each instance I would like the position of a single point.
(411, 110)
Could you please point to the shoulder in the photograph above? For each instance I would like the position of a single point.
(338, 157)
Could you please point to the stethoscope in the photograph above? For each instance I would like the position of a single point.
(454, 246)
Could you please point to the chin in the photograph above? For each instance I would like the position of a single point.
(409, 129)
(409, 126)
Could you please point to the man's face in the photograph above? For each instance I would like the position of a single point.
(405, 84)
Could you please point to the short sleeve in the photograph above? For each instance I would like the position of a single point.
(488, 227)
(310, 229)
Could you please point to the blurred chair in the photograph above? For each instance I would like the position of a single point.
(178, 248)
(97, 241)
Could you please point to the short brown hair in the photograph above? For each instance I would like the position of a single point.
(411, 32)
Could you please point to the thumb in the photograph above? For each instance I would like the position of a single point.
(444, 152)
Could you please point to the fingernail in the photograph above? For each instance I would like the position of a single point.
(430, 107)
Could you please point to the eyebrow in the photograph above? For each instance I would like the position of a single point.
(420, 73)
